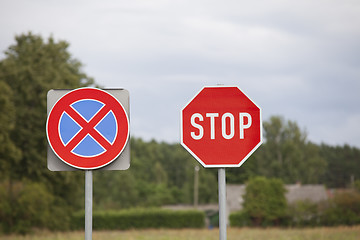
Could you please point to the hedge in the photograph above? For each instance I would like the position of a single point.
(242, 219)
(343, 209)
(141, 219)
(239, 219)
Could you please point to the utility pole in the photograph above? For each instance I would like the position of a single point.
(196, 186)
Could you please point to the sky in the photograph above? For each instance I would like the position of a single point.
(295, 59)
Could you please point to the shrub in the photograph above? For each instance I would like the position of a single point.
(141, 219)
(24, 205)
(304, 213)
(265, 202)
(239, 219)
(344, 209)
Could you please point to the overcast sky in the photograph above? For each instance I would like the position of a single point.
(297, 59)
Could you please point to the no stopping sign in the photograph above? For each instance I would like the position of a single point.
(87, 128)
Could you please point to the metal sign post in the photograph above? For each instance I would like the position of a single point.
(222, 203)
(83, 134)
(221, 127)
(88, 204)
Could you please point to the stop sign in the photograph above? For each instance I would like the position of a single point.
(221, 127)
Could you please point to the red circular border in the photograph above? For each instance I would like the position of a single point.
(87, 163)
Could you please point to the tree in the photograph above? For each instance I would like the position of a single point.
(115, 190)
(9, 153)
(343, 165)
(265, 201)
(30, 68)
(30, 205)
(288, 155)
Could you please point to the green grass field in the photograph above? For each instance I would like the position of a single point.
(336, 233)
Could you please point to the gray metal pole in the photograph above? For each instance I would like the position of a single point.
(222, 203)
(88, 204)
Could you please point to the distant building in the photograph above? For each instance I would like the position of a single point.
(312, 193)
(234, 197)
(295, 192)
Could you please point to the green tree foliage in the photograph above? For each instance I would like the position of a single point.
(29, 69)
(115, 190)
(343, 165)
(141, 218)
(160, 174)
(265, 201)
(9, 153)
(32, 67)
(29, 205)
(344, 209)
(305, 213)
(289, 155)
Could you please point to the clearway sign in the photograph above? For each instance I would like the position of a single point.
(87, 128)
(221, 126)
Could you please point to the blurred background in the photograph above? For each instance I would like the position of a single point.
(299, 61)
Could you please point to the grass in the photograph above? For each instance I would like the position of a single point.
(336, 233)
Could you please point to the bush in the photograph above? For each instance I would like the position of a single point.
(265, 202)
(344, 209)
(239, 219)
(304, 213)
(141, 219)
(24, 205)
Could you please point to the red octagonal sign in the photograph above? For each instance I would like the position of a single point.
(221, 127)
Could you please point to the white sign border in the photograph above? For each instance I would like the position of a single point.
(220, 165)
